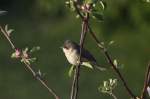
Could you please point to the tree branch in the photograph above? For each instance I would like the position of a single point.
(110, 61)
(75, 85)
(107, 55)
(38, 77)
(146, 82)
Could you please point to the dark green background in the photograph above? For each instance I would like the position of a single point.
(47, 23)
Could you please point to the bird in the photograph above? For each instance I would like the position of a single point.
(72, 52)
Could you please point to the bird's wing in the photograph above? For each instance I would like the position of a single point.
(86, 55)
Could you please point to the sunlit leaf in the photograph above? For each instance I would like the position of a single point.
(111, 42)
(37, 48)
(91, 1)
(33, 59)
(13, 55)
(71, 71)
(148, 1)
(103, 4)
(98, 16)
(77, 16)
(115, 63)
(148, 90)
(70, 4)
(8, 31)
(87, 64)
(108, 86)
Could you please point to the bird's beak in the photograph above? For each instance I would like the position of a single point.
(61, 47)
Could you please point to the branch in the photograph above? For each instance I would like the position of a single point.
(75, 85)
(146, 82)
(110, 61)
(113, 95)
(77, 10)
(107, 55)
(37, 76)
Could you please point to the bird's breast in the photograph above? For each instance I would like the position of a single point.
(72, 58)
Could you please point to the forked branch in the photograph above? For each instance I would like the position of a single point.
(36, 75)
(146, 82)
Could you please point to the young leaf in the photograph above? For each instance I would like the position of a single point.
(37, 48)
(87, 64)
(108, 86)
(90, 1)
(71, 70)
(70, 4)
(8, 31)
(148, 90)
(148, 1)
(111, 42)
(32, 59)
(97, 16)
(115, 63)
(103, 4)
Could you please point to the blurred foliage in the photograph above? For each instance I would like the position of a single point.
(47, 23)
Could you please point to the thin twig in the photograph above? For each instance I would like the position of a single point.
(73, 86)
(95, 38)
(147, 79)
(82, 39)
(29, 67)
(110, 61)
(113, 96)
(41, 80)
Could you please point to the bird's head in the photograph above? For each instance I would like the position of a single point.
(69, 46)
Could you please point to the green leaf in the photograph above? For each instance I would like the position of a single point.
(108, 86)
(148, 90)
(8, 31)
(37, 48)
(13, 55)
(148, 1)
(111, 42)
(98, 16)
(103, 4)
(70, 4)
(115, 63)
(71, 71)
(33, 59)
(90, 1)
(87, 64)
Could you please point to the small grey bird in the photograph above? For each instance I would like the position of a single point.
(72, 52)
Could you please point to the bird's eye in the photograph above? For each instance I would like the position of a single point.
(65, 47)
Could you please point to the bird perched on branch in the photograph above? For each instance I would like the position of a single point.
(72, 52)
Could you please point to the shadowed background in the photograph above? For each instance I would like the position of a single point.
(47, 23)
